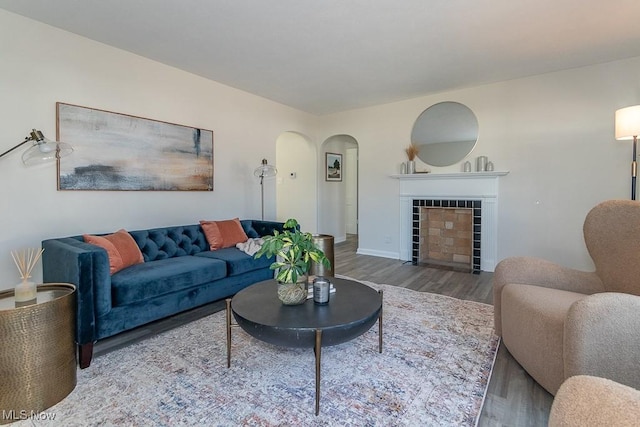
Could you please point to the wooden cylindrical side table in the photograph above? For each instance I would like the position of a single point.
(38, 353)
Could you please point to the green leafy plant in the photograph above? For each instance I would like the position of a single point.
(294, 251)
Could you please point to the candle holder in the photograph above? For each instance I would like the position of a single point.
(321, 287)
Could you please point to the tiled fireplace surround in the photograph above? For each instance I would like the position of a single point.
(451, 240)
(478, 191)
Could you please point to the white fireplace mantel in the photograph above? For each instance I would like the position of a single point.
(481, 186)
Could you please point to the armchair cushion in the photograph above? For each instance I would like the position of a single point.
(541, 312)
(539, 272)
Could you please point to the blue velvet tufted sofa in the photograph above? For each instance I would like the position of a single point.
(179, 273)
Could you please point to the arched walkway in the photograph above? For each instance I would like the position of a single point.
(338, 200)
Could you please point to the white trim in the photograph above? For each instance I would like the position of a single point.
(464, 175)
(382, 254)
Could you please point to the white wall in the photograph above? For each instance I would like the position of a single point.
(297, 193)
(553, 132)
(351, 189)
(41, 65)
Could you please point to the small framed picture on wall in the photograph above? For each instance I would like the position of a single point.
(333, 168)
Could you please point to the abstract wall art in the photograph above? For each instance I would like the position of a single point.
(115, 151)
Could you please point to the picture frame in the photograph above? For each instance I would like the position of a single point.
(121, 152)
(333, 167)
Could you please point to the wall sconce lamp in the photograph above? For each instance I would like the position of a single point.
(628, 127)
(42, 149)
(263, 171)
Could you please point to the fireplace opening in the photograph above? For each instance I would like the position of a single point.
(446, 234)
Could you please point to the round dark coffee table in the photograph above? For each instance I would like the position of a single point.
(352, 310)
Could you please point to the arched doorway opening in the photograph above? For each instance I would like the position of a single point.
(338, 200)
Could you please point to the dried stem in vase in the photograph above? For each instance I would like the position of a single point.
(412, 151)
(26, 260)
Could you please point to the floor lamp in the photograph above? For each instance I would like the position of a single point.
(264, 171)
(628, 127)
(41, 149)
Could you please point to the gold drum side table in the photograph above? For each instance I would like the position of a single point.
(325, 243)
(38, 353)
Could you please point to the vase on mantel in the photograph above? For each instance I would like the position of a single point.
(411, 166)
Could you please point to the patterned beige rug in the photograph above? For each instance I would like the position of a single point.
(434, 370)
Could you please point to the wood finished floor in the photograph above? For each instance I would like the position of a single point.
(513, 397)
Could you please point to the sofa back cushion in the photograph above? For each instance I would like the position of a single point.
(169, 242)
(247, 226)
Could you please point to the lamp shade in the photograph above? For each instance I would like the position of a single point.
(41, 149)
(265, 170)
(45, 150)
(628, 122)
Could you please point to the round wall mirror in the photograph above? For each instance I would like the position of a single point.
(445, 133)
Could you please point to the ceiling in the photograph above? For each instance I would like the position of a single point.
(326, 56)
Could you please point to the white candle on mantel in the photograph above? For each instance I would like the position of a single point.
(25, 291)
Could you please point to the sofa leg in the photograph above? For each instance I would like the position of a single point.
(85, 353)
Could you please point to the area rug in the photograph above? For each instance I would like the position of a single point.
(434, 369)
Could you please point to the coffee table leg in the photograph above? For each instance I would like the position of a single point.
(380, 322)
(228, 301)
(317, 350)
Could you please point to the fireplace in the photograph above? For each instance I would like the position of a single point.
(447, 234)
(477, 191)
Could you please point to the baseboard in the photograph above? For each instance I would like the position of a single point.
(396, 255)
(382, 254)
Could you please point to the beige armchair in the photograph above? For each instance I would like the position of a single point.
(558, 322)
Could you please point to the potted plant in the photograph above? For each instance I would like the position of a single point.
(294, 251)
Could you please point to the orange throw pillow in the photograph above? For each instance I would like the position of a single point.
(121, 248)
(223, 234)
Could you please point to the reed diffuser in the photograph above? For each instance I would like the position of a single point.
(26, 260)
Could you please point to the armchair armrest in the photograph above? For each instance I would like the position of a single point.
(539, 272)
(601, 338)
(585, 401)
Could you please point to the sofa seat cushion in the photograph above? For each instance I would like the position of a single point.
(237, 261)
(533, 330)
(151, 279)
